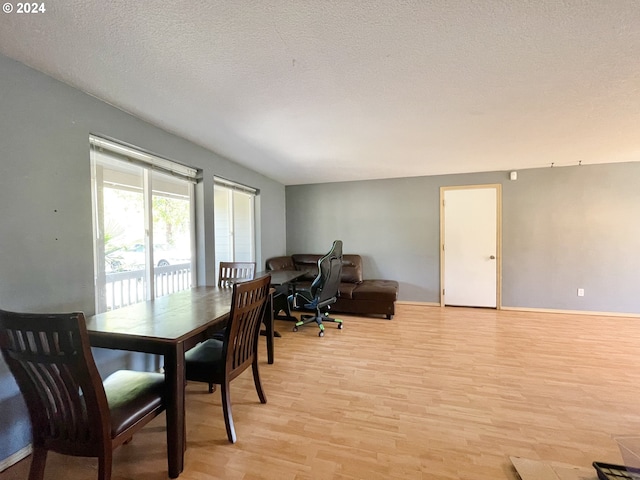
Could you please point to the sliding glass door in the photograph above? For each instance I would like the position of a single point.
(234, 207)
(138, 204)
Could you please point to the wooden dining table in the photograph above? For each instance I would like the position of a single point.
(168, 326)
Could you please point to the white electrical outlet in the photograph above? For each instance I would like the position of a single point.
(581, 292)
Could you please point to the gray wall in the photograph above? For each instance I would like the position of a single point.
(46, 250)
(563, 228)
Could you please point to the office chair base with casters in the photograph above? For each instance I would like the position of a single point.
(318, 318)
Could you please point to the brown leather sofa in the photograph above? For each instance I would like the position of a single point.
(358, 296)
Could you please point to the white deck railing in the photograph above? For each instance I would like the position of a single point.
(127, 288)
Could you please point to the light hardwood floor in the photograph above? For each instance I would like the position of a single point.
(433, 394)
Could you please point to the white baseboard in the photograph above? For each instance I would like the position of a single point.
(419, 304)
(15, 458)
(540, 310)
(573, 312)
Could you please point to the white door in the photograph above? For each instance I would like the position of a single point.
(470, 246)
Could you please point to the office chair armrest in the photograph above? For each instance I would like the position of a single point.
(327, 302)
(300, 299)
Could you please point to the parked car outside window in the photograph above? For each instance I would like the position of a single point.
(133, 257)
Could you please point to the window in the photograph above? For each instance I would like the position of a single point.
(234, 222)
(140, 200)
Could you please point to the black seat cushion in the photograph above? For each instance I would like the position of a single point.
(204, 361)
(132, 395)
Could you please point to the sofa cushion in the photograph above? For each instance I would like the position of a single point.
(351, 269)
(346, 290)
(308, 262)
(376, 290)
(280, 263)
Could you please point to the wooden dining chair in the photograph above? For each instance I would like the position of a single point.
(218, 362)
(72, 411)
(233, 272)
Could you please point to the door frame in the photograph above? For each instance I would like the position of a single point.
(498, 188)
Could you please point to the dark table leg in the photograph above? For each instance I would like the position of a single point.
(176, 426)
(281, 303)
(269, 330)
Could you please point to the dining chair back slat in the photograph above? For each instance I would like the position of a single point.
(234, 272)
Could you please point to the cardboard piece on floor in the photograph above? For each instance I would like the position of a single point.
(540, 470)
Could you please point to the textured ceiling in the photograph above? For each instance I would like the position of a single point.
(331, 90)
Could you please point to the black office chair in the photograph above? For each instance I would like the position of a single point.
(323, 291)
